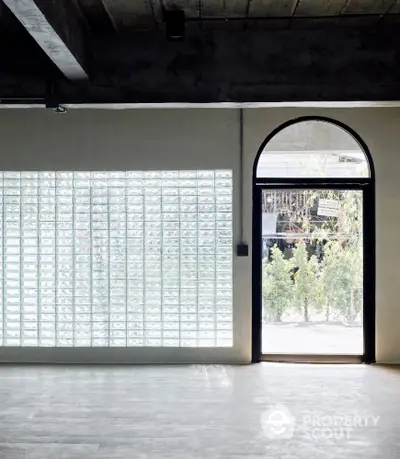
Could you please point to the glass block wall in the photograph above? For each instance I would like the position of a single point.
(116, 258)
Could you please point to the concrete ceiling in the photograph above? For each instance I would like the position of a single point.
(129, 16)
(126, 15)
(116, 51)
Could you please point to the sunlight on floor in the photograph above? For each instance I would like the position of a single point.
(311, 338)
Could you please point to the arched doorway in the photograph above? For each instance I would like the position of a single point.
(313, 245)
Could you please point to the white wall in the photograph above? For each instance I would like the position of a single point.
(133, 140)
(380, 130)
(209, 138)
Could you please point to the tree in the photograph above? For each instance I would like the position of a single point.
(277, 286)
(341, 276)
(306, 283)
(332, 279)
(332, 284)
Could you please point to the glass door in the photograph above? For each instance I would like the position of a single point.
(312, 271)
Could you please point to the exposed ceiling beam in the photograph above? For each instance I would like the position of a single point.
(367, 6)
(127, 16)
(57, 30)
(319, 7)
(268, 8)
(225, 9)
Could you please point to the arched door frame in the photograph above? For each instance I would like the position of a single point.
(366, 185)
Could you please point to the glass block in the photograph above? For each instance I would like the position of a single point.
(206, 343)
(63, 342)
(189, 335)
(101, 342)
(188, 343)
(82, 342)
(117, 342)
(100, 322)
(11, 341)
(64, 329)
(205, 328)
(107, 255)
(135, 342)
(29, 342)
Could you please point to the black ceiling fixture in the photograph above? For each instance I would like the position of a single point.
(175, 24)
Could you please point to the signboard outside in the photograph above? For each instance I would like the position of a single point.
(328, 208)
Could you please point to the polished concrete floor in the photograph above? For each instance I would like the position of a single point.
(277, 411)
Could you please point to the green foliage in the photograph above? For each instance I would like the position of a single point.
(306, 285)
(342, 280)
(277, 286)
(331, 288)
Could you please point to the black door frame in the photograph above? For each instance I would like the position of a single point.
(367, 186)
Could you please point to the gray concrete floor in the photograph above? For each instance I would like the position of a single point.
(278, 411)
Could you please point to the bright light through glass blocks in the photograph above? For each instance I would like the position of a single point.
(116, 258)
